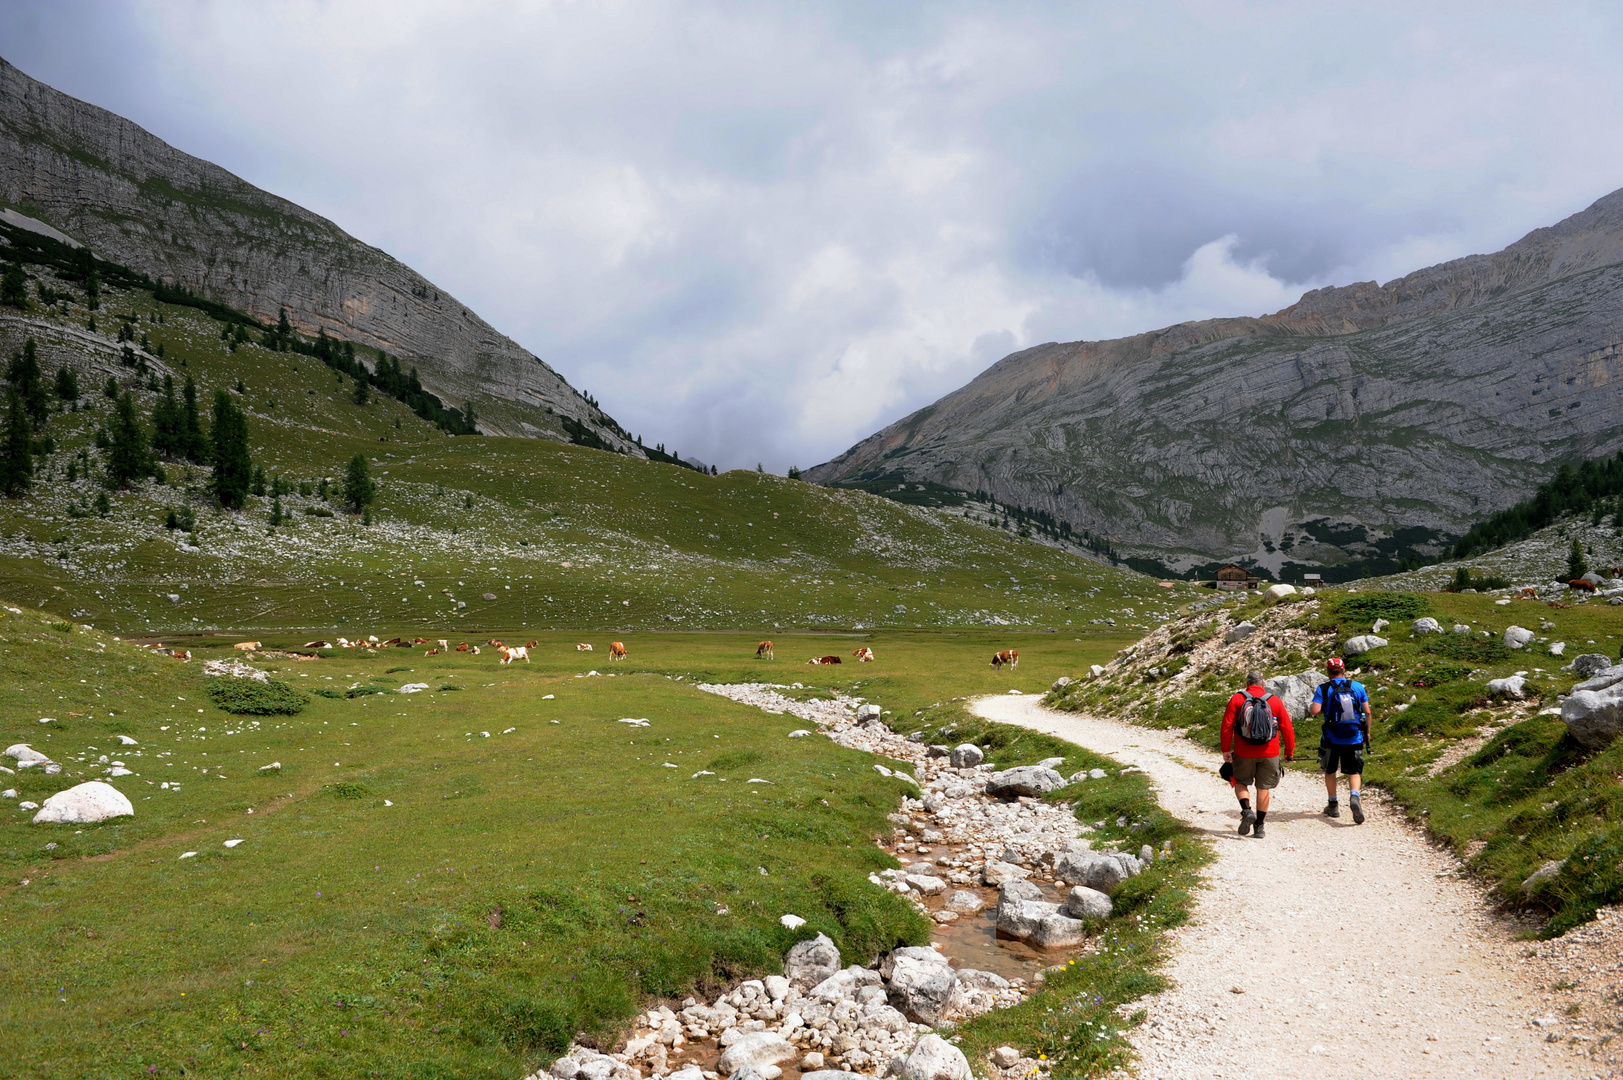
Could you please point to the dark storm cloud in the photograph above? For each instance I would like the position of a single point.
(759, 232)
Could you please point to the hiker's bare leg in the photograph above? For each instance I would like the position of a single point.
(1353, 780)
(1263, 797)
(1241, 792)
(1330, 784)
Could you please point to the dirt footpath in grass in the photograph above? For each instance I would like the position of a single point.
(1325, 949)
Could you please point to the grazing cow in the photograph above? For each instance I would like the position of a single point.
(529, 644)
(1010, 657)
(617, 651)
(246, 646)
(517, 652)
(318, 644)
(824, 660)
(863, 654)
(419, 641)
(763, 649)
(445, 646)
(583, 647)
(182, 654)
(1581, 585)
(432, 652)
(462, 647)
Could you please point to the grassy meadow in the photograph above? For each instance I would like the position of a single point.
(478, 531)
(541, 869)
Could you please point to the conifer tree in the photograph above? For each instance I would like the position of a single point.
(1577, 565)
(16, 449)
(23, 373)
(14, 287)
(168, 424)
(284, 329)
(129, 455)
(233, 470)
(359, 488)
(196, 445)
(362, 394)
(67, 383)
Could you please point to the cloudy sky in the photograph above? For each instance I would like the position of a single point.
(760, 232)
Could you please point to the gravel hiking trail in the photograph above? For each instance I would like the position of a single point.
(1356, 950)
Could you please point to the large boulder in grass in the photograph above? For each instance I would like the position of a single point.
(1363, 643)
(84, 804)
(1588, 665)
(1595, 717)
(1023, 780)
(965, 756)
(1101, 870)
(810, 962)
(1517, 636)
(934, 1058)
(921, 983)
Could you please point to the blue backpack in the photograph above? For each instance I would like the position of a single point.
(1342, 719)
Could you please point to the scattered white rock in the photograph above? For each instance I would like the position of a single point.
(127, 741)
(84, 804)
(799, 733)
(1510, 686)
(1361, 644)
(1426, 625)
(233, 843)
(934, 1058)
(793, 922)
(1517, 636)
(188, 855)
(1279, 591)
(1239, 632)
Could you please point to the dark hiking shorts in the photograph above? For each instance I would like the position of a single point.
(1261, 771)
(1346, 759)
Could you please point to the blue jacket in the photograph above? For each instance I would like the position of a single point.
(1349, 729)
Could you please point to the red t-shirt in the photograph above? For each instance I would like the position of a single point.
(1244, 749)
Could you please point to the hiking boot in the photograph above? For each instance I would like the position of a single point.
(1248, 817)
(1259, 832)
(1357, 809)
(1332, 810)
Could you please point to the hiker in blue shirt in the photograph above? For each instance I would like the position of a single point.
(1345, 707)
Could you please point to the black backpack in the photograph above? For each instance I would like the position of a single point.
(1255, 722)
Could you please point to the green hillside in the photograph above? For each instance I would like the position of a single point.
(470, 531)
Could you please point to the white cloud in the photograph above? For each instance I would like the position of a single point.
(758, 232)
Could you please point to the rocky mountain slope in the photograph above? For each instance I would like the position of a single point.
(1359, 427)
(134, 199)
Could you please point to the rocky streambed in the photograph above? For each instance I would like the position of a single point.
(1009, 880)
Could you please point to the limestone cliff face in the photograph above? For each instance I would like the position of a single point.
(1361, 424)
(137, 200)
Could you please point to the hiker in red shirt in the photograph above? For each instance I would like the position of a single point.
(1252, 726)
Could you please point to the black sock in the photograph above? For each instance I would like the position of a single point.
(1262, 815)
(1245, 804)
(1333, 800)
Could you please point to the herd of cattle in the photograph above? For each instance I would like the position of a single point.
(1009, 658)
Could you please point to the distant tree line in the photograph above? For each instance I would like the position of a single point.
(1594, 486)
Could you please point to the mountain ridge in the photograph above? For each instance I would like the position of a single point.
(1357, 404)
(108, 183)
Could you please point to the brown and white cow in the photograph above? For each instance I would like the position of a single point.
(1011, 657)
(824, 660)
(318, 644)
(529, 644)
(863, 654)
(617, 651)
(463, 647)
(419, 641)
(516, 652)
(445, 646)
(584, 646)
(764, 649)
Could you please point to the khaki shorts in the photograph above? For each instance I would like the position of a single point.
(1262, 772)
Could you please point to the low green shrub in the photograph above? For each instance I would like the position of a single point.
(364, 690)
(250, 697)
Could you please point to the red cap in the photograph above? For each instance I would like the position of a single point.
(1335, 664)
